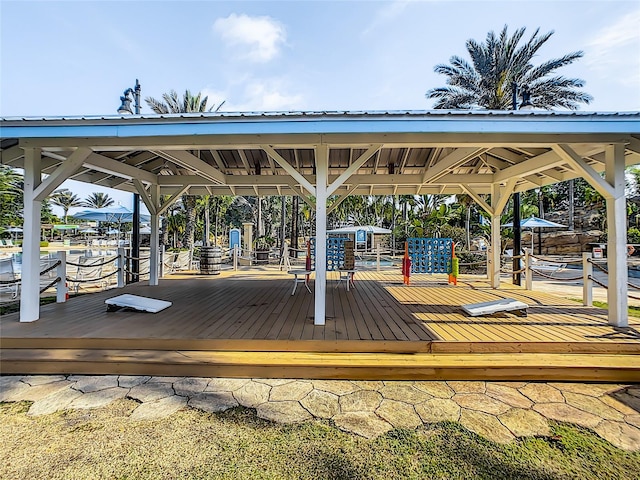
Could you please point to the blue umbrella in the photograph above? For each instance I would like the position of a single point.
(117, 214)
(536, 222)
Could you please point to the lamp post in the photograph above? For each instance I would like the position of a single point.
(125, 107)
(517, 231)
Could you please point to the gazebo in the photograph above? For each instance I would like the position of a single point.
(324, 157)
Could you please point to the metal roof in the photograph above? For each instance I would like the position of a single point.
(262, 153)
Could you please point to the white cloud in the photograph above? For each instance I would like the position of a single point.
(214, 97)
(616, 47)
(259, 38)
(265, 95)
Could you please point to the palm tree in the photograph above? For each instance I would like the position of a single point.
(98, 200)
(66, 199)
(11, 202)
(496, 64)
(188, 104)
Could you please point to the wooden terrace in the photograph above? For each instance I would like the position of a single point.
(247, 323)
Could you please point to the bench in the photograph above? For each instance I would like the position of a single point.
(494, 306)
(549, 268)
(136, 302)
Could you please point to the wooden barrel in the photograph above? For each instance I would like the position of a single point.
(210, 260)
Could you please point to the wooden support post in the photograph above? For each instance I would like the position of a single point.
(322, 173)
(62, 291)
(494, 252)
(30, 277)
(617, 237)
(587, 283)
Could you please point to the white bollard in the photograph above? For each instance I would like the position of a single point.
(587, 283)
(235, 258)
(62, 289)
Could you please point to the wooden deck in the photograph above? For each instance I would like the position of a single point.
(218, 324)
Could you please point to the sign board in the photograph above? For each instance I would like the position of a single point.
(361, 236)
(234, 237)
(597, 252)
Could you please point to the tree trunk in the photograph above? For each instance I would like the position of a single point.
(571, 207)
(189, 202)
(207, 225)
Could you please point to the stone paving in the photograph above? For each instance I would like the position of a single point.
(500, 411)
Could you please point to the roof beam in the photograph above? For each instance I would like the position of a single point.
(287, 167)
(144, 195)
(477, 198)
(578, 163)
(119, 169)
(174, 196)
(505, 193)
(216, 156)
(537, 164)
(189, 161)
(455, 158)
(245, 161)
(66, 168)
(10, 155)
(361, 160)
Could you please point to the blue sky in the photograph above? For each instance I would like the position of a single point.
(76, 58)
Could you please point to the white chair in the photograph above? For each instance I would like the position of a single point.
(7, 274)
(183, 261)
(548, 268)
(168, 262)
(89, 272)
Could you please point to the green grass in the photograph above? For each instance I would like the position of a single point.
(632, 309)
(105, 443)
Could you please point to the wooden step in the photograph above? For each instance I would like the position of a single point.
(322, 346)
(622, 368)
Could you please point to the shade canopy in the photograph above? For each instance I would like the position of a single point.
(117, 214)
(65, 227)
(88, 230)
(535, 222)
(13, 230)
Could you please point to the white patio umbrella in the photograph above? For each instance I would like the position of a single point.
(536, 222)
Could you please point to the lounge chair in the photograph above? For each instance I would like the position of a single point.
(89, 273)
(547, 268)
(168, 262)
(183, 261)
(7, 274)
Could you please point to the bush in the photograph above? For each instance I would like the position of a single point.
(633, 235)
(44, 243)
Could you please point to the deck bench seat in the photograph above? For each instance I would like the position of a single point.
(494, 306)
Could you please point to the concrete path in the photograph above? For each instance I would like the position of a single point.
(500, 411)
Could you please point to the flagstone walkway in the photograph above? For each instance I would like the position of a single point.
(500, 411)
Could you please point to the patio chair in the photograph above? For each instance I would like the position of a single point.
(183, 261)
(144, 267)
(89, 273)
(548, 268)
(168, 262)
(7, 274)
(45, 262)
